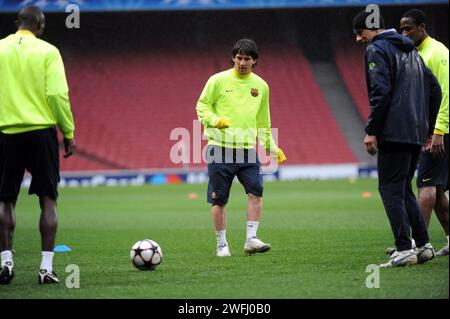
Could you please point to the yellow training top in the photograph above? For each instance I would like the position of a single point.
(242, 99)
(33, 86)
(435, 56)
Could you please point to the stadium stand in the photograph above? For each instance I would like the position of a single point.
(350, 63)
(137, 100)
(134, 77)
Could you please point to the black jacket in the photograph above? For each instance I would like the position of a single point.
(404, 95)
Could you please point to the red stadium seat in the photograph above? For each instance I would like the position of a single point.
(350, 63)
(125, 107)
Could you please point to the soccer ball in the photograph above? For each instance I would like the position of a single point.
(146, 254)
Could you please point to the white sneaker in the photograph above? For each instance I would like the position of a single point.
(391, 250)
(402, 258)
(223, 251)
(424, 253)
(254, 245)
(442, 252)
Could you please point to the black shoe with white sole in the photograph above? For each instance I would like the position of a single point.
(47, 277)
(7, 273)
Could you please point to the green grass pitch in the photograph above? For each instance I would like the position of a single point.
(324, 234)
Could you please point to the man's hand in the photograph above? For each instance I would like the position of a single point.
(427, 146)
(437, 147)
(370, 142)
(69, 147)
(222, 123)
(281, 156)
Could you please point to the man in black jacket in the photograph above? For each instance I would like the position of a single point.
(404, 99)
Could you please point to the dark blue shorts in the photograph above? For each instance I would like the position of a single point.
(433, 172)
(226, 163)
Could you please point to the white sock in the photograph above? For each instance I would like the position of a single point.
(47, 260)
(447, 240)
(413, 243)
(221, 237)
(252, 228)
(6, 256)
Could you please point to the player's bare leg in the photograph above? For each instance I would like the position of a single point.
(47, 225)
(219, 217)
(254, 207)
(253, 244)
(7, 225)
(441, 209)
(427, 201)
(218, 213)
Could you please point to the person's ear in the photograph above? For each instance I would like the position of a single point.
(40, 27)
(422, 27)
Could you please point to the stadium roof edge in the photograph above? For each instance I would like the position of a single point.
(61, 6)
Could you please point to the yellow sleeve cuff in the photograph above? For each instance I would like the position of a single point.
(213, 120)
(438, 132)
(69, 136)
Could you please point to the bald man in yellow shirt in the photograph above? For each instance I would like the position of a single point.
(234, 109)
(34, 101)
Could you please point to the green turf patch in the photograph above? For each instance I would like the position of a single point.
(324, 235)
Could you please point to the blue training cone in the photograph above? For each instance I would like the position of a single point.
(61, 249)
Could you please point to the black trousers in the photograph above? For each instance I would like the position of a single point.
(397, 164)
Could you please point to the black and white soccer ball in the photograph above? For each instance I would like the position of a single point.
(146, 254)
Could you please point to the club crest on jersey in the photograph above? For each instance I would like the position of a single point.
(254, 92)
